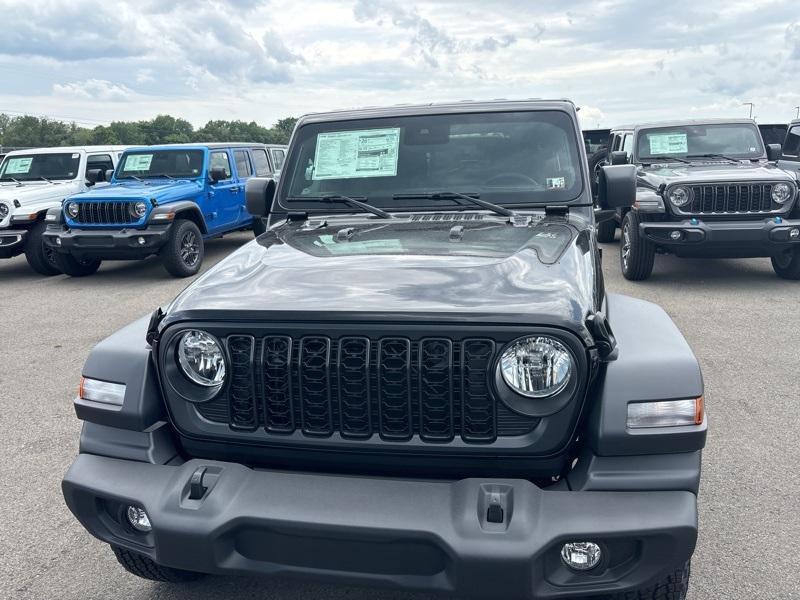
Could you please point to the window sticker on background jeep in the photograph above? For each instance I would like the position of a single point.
(18, 165)
(355, 154)
(556, 183)
(668, 143)
(138, 162)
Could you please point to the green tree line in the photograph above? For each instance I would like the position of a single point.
(29, 131)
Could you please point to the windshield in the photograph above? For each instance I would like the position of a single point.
(734, 140)
(505, 157)
(161, 163)
(40, 167)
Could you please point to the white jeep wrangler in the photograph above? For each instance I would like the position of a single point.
(32, 181)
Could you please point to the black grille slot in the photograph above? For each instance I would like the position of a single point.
(243, 411)
(436, 390)
(478, 410)
(315, 385)
(755, 198)
(394, 387)
(355, 399)
(277, 384)
(105, 213)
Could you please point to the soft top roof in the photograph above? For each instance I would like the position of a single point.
(201, 146)
(683, 123)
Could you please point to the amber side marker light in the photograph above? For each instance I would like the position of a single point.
(666, 413)
(104, 392)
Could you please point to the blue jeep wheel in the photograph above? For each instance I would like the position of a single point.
(182, 255)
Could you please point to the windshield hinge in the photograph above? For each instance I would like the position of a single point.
(152, 329)
(556, 211)
(297, 216)
(604, 339)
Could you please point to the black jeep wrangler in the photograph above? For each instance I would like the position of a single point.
(410, 379)
(705, 189)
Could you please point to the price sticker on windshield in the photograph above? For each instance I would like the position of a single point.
(19, 165)
(138, 162)
(356, 154)
(668, 143)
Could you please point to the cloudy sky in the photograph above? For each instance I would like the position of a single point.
(96, 61)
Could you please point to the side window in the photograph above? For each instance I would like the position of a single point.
(261, 163)
(616, 142)
(242, 163)
(627, 143)
(220, 160)
(99, 161)
(791, 149)
(278, 156)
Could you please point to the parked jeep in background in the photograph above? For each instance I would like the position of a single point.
(773, 133)
(162, 200)
(789, 159)
(706, 189)
(33, 181)
(410, 379)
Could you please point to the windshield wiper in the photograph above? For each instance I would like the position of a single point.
(713, 155)
(45, 178)
(139, 179)
(17, 181)
(653, 159)
(474, 198)
(348, 200)
(160, 175)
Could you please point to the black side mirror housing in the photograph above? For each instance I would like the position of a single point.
(94, 175)
(109, 174)
(619, 157)
(616, 187)
(218, 174)
(259, 193)
(774, 152)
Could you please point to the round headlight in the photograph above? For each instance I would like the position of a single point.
(139, 209)
(201, 359)
(536, 367)
(3, 210)
(680, 196)
(72, 209)
(781, 193)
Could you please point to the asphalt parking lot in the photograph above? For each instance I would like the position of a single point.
(741, 320)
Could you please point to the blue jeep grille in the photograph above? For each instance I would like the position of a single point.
(105, 213)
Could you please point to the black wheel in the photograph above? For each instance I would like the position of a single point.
(76, 267)
(39, 256)
(259, 226)
(182, 255)
(787, 264)
(143, 566)
(671, 587)
(606, 231)
(636, 254)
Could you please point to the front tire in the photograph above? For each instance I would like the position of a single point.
(636, 254)
(606, 231)
(69, 265)
(787, 264)
(146, 568)
(673, 586)
(40, 257)
(183, 253)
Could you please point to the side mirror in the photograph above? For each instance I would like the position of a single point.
(616, 187)
(259, 193)
(619, 157)
(94, 175)
(109, 174)
(218, 174)
(774, 152)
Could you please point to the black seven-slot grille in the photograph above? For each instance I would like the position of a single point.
(732, 198)
(395, 387)
(105, 213)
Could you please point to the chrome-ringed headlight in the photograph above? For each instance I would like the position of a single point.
(680, 196)
(537, 366)
(201, 358)
(4, 210)
(73, 209)
(782, 193)
(138, 209)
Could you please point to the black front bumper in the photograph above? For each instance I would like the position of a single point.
(765, 237)
(108, 244)
(12, 242)
(431, 535)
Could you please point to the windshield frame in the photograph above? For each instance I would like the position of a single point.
(120, 164)
(283, 203)
(7, 178)
(640, 133)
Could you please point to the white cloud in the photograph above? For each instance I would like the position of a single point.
(93, 89)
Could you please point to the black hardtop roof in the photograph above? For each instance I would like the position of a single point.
(211, 145)
(682, 123)
(466, 106)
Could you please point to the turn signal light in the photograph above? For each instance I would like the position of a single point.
(666, 413)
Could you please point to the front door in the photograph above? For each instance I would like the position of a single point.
(226, 195)
(790, 154)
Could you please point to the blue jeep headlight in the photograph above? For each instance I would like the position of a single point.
(73, 209)
(139, 209)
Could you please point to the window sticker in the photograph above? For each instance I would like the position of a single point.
(18, 165)
(556, 183)
(138, 162)
(354, 154)
(668, 143)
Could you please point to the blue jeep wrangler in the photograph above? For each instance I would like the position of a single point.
(162, 200)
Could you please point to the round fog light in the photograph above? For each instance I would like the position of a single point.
(581, 556)
(675, 235)
(794, 233)
(139, 519)
(141, 241)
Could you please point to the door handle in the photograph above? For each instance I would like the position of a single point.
(235, 189)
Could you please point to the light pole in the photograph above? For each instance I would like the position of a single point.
(751, 105)
(797, 108)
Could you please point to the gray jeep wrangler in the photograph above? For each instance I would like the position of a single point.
(414, 378)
